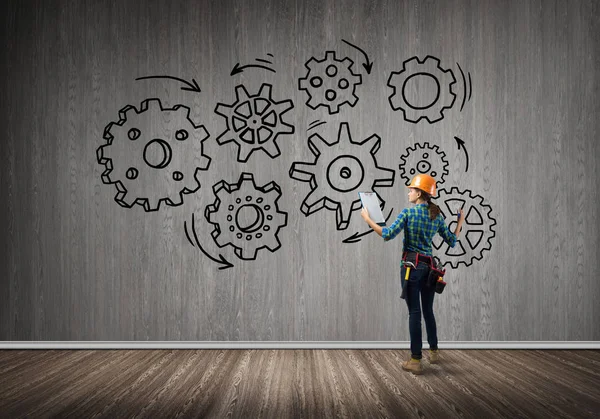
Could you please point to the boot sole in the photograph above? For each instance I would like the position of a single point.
(413, 371)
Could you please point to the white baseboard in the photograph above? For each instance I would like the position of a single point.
(293, 345)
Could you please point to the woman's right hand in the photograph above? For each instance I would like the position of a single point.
(461, 215)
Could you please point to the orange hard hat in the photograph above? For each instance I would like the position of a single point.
(423, 182)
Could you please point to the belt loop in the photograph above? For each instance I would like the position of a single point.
(417, 259)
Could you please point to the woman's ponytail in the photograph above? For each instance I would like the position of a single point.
(434, 210)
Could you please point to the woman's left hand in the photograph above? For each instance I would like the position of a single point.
(365, 214)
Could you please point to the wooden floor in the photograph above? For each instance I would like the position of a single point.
(298, 383)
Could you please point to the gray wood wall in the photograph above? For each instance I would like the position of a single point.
(76, 265)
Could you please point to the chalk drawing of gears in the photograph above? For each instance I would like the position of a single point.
(246, 217)
(336, 177)
(422, 89)
(423, 158)
(254, 122)
(477, 230)
(330, 82)
(153, 155)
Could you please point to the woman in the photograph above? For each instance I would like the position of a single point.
(420, 224)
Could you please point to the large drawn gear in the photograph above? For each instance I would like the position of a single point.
(330, 82)
(246, 217)
(336, 178)
(254, 122)
(149, 166)
(423, 158)
(429, 67)
(477, 230)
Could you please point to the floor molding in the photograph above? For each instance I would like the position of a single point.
(293, 345)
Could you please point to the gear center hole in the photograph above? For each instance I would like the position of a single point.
(345, 173)
(421, 90)
(157, 154)
(249, 218)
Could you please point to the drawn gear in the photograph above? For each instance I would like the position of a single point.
(330, 82)
(445, 97)
(423, 158)
(246, 217)
(477, 230)
(254, 122)
(337, 174)
(150, 166)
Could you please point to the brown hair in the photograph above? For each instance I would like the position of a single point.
(434, 210)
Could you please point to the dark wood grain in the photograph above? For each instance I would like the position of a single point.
(298, 383)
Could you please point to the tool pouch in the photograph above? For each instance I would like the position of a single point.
(435, 279)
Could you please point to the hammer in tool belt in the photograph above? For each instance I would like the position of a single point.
(408, 265)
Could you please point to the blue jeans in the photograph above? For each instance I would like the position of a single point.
(416, 286)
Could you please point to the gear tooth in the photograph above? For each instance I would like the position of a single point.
(184, 113)
(285, 106)
(223, 110)
(273, 243)
(302, 84)
(204, 134)
(347, 62)
(432, 61)
(265, 91)
(311, 103)
(241, 93)
(152, 104)
(126, 112)
(330, 56)
(396, 102)
(310, 63)
(411, 64)
(125, 199)
(393, 79)
(103, 154)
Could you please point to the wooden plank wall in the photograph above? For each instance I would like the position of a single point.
(76, 265)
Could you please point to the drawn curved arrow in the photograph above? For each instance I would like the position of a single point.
(240, 68)
(369, 64)
(193, 86)
(222, 261)
(356, 237)
(460, 144)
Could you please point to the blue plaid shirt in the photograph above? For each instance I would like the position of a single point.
(418, 229)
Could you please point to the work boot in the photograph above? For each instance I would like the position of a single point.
(434, 356)
(413, 365)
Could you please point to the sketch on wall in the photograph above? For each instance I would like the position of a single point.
(246, 216)
(330, 82)
(151, 166)
(424, 159)
(240, 68)
(254, 122)
(477, 231)
(418, 76)
(343, 174)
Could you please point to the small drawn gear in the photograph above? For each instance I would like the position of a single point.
(477, 230)
(336, 178)
(330, 82)
(423, 158)
(254, 122)
(246, 217)
(149, 166)
(424, 70)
